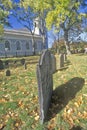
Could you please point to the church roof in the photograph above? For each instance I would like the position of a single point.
(21, 32)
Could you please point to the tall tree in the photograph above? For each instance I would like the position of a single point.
(64, 15)
(5, 6)
(59, 14)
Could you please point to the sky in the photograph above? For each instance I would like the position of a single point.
(16, 25)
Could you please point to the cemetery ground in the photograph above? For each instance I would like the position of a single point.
(19, 107)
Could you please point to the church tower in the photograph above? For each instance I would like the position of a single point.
(40, 29)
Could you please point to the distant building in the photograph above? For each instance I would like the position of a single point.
(22, 42)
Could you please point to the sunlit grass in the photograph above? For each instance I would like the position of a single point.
(19, 107)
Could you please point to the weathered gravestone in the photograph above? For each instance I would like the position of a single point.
(53, 63)
(1, 65)
(45, 83)
(8, 73)
(61, 59)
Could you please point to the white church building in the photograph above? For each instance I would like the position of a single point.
(21, 42)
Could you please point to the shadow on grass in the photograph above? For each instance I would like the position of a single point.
(32, 62)
(67, 63)
(63, 94)
(62, 68)
(76, 128)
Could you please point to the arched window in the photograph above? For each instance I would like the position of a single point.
(18, 45)
(27, 45)
(7, 45)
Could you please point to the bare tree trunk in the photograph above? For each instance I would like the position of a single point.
(66, 42)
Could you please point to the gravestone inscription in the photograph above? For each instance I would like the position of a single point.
(45, 83)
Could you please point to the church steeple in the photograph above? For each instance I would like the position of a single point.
(40, 29)
(37, 26)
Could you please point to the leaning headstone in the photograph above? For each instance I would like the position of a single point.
(53, 63)
(45, 83)
(1, 65)
(8, 73)
(61, 60)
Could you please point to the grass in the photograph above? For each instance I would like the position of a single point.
(19, 108)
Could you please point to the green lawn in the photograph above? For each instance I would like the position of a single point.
(19, 108)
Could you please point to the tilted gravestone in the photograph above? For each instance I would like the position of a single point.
(1, 65)
(61, 60)
(45, 83)
(53, 63)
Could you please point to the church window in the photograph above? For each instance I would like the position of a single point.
(7, 45)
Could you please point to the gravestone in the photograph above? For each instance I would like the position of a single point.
(25, 66)
(8, 73)
(1, 65)
(45, 83)
(53, 63)
(61, 60)
(15, 62)
(22, 61)
(85, 50)
(65, 57)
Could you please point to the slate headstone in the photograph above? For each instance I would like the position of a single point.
(53, 63)
(61, 59)
(1, 65)
(45, 83)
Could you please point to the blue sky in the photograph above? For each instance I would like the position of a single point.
(16, 25)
